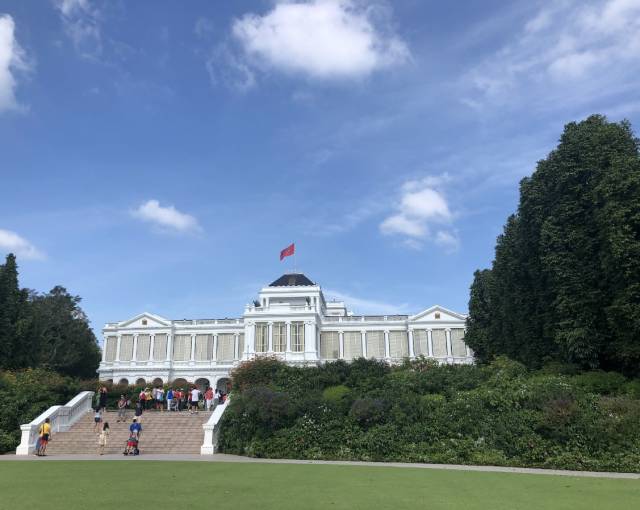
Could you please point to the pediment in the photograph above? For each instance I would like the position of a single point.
(430, 315)
(146, 320)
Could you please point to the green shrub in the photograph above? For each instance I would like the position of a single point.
(600, 382)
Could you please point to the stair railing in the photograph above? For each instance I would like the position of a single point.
(60, 417)
(212, 430)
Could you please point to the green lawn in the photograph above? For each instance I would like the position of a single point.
(95, 485)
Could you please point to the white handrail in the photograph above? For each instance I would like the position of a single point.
(212, 429)
(60, 417)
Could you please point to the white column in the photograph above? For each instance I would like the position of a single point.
(135, 347)
(341, 345)
(288, 328)
(118, 347)
(214, 354)
(169, 346)
(152, 347)
(236, 354)
(449, 350)
(270, 344)
(250, 339)
(363, 339)
(387, 353)
(430, 343)
(104, 348)
(193, 347)
(310, 341)
(412, 354)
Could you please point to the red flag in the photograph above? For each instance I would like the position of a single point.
(289, 250)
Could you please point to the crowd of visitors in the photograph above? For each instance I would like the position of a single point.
(177, 399)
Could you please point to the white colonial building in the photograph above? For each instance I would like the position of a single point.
(291, 320)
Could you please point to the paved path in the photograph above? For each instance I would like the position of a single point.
(236, 458)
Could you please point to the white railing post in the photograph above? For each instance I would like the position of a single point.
(212, 430)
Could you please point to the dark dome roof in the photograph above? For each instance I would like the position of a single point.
(292, 280)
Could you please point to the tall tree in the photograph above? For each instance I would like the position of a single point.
(565, 282)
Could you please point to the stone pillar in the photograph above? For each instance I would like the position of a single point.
(449, 349)
(214, 354)
(288, 328)
(310, 341)
(236, 341)
(118, 347)
(104, 348)
(363, 339)
(341, 345)
(249, 339)
(270, 337)
(169, 346)
(430, 342)
(152, 347)
(412, 353)
(192, 358)
(387, 353)
(134, 357)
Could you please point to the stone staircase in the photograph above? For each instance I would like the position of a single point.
(162, 432)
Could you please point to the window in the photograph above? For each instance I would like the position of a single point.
(398, 344)
(144, 343)
(226, 347)
(262, 337)
(144, 322)
(110, 345)
(439, 339)
(375, 344)
(160, 347)
(297, 336)
(420, 342)
(182, 347)
(352, 344)
(437, 315)
(329, 345)
(458, 346)
(126, 348)
(204, 347)
(279, 333)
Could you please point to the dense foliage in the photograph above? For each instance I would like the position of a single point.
(44, 330)
(500, 414)
(27, 393)
(565, 282)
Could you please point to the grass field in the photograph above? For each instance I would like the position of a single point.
(96, 485)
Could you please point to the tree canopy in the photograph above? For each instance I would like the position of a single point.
(565, 281)
(44, 330)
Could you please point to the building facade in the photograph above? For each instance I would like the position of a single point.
(290, 320)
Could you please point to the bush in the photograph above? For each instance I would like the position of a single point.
(600, 382)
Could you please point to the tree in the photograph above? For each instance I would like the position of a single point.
(566, 274)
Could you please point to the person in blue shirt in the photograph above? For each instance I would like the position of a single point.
(169, 399)
(135, 428)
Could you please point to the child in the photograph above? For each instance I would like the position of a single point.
(102, 440)
(132, 444)
(97, 419)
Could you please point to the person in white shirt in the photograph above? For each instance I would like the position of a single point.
(195, 396)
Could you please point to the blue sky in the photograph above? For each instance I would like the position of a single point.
(157, 156)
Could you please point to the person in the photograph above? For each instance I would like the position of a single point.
(208, 398)
(132, 445)
(97, 419)
(148, 399)
(169, 399)
(138, 412)
(122, 409)
(141, 398)
(216, 398)
(102, 439)
(159, 398)
(103, 398)
(135, 428)
(44, 434)
(195, 397)
(178, 397)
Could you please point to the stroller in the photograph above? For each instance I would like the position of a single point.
(132, 446)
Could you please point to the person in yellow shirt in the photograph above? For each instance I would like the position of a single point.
(44, 434)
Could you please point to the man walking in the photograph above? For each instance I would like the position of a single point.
(44, 434)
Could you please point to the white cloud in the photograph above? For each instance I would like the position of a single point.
(167, 218)
(366, 306)
(10, 242)
(324, 39)
(422, 205)
(12, 60)
(568, 52)
(81, 20)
